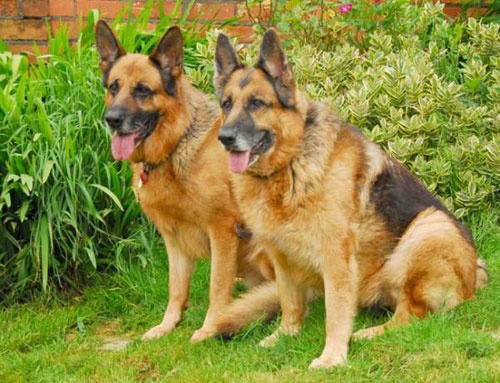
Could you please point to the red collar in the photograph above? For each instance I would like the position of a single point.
(147, 168)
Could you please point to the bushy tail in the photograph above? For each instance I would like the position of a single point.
(482, 276)
(260, 302)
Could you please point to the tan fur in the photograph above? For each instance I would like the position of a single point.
(482, 276)
(188, 196)
(308, 200)
(261, 302)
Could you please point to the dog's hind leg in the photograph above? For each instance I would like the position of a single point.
(401, 317)
(432, 269)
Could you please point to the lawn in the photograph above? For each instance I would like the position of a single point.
(75, 246)
(67, 342)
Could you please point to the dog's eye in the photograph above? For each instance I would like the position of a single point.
(226, 105)
(114, 88)
(142, 90)
(256, 103)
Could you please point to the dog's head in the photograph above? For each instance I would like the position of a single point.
(262, 125)
(140, 89)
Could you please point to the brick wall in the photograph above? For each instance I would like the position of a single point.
(23, 22)
(454, 7)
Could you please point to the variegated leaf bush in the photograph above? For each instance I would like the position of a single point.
(429, 96)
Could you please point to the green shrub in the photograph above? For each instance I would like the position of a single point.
(426, 89)
(66, 208)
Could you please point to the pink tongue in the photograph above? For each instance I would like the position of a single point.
(122, 146)
(238, 161)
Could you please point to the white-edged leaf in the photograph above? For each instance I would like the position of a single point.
(91, 255)
(23, 210)
(46, 171)
(27, 180)
(6, 198)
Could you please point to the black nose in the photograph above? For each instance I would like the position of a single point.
(227, 137)
(114, 118)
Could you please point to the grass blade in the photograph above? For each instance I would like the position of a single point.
(44, 247)
(110, 194)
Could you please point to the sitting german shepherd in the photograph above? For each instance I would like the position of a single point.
(335, 212)
(168, 131)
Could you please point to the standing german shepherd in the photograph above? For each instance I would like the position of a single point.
(336, 213)
(168, 131)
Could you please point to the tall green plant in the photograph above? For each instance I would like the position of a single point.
(66, 207)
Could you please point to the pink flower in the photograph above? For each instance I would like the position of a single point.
(377, 1)
(346, 8)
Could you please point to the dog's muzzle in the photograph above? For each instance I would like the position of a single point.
(227, 137)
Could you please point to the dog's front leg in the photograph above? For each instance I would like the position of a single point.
(223, 267)
(180, 272)
(292, 301)
(340, 281)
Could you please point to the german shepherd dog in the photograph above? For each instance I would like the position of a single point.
(335, 212)
(168, 131)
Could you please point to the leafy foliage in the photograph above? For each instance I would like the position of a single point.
(425, 88)
(66, 209)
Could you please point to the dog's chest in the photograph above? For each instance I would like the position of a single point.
(190, 239)
(297, 236)
(174, 211)
(156, 190)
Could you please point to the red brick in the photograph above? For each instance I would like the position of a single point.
(61, 8)
(199, 28)
(151, 26)
(253, 13)
(243, 32)
(107, 8)
(35, 8)
(212, 11)
(8, 8)
(459, 1)
(23, 30)
(71, 27)
(476, 12)
(112, 8)
(453, 12)
(168, 8)
(29, 50)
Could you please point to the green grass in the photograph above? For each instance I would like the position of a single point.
(432, 102)
(60, 342)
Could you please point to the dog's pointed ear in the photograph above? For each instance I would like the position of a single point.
(109, 48)
(272, 60)
(168, 57)
(226, 62)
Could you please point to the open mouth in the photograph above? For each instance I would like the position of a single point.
(123, 145)
(239, 161)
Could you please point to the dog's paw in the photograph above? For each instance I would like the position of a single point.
(158, 331)
(327, 361)
(201, 334)
(269, 341)
(368, 333)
